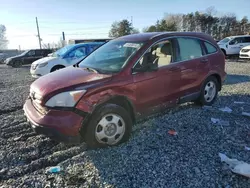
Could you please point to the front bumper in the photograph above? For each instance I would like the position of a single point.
(244, 55)
(38, 72)
(59, 125)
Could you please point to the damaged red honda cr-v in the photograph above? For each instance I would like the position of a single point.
(100, 98)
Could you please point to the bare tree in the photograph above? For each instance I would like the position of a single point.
(211, 11)
(61, 43)
(3, 39)
(174, 19)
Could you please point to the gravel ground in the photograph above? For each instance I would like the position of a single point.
(151, 158)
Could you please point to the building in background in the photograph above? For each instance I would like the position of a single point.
(77, 41)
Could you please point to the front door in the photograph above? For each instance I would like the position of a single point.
(156, 88)
(235, 46)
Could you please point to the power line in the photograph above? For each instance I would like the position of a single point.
(75, 29)
(73, 22)
(57, 34)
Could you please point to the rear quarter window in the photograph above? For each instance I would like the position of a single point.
(210, 48)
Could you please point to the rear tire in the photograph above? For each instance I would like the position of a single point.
(209, 91)
(109, 125)
(57, 67)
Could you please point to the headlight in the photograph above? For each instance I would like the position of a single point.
(7, 61)
(42, 64)
(65, 99)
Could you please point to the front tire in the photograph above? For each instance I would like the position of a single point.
(109, 125)
(17, 64)
(209, 91)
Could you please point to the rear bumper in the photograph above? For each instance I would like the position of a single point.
(59, 125)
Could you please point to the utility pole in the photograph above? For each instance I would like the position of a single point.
(63, 38)
(132, 21)
(38, 34)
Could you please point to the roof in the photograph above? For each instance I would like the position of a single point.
(92, 39)
(141, 37)
(240, 36)
(88, 43)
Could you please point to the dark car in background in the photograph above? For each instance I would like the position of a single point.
(27, 57)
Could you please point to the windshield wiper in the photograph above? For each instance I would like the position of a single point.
(91, 69)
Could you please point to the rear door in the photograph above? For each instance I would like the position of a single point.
(39, 54)
(29, 57)
(191, 65)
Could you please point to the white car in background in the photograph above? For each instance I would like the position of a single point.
(64, 57)
(245, 53)
(232, 45)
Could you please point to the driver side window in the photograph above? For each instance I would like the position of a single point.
(235, 41)
(159, 55)
(78, 53)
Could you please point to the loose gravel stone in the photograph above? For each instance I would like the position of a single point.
(151, 158)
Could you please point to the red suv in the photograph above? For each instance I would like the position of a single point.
(100, 98)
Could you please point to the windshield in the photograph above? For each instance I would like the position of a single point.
(225, 40)
(111, 57)
(62, 51)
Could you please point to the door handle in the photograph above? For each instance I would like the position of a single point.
(204, 60)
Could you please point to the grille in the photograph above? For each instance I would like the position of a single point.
(244, 55)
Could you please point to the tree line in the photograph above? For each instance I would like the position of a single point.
(206, 21)
(3, 39)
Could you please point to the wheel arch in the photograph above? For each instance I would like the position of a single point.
(224, 51)
(120, 100)
(57, 65)
(218, 78)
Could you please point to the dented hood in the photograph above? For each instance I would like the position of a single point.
(64, 78)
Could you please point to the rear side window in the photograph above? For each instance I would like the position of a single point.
(246, 39)
(189, 48)
(210, 48)
(31, 53)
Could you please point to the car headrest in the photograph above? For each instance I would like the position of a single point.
(166, 49)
